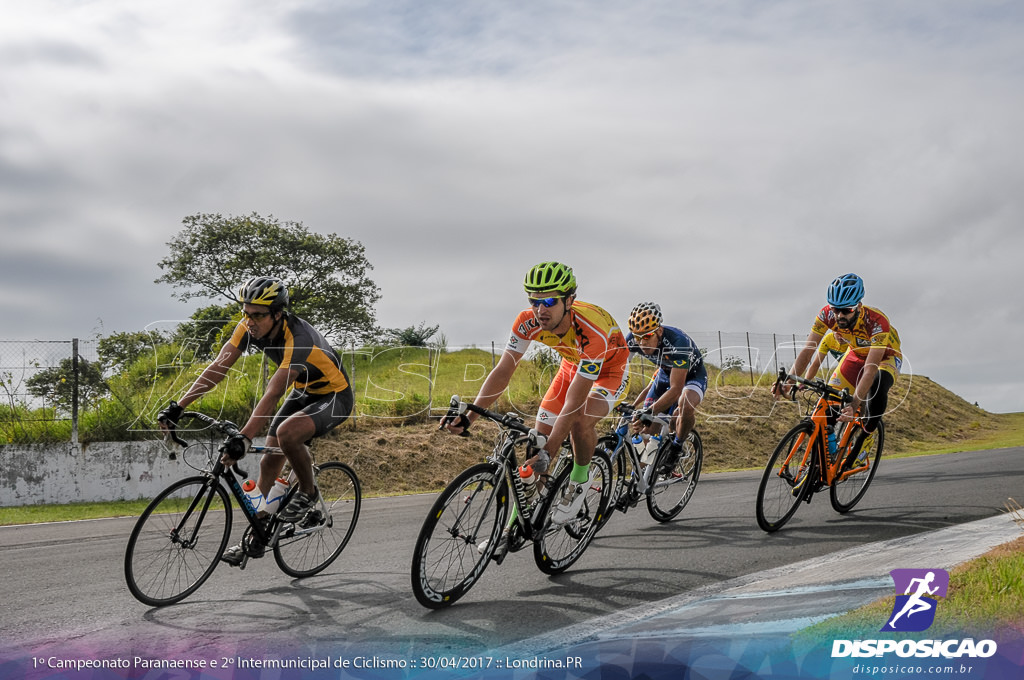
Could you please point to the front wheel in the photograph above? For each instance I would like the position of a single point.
(558, 546)
(852, 483)
(675, 480)
(311, 545)
(787, 479)
(459, 535)
(619, 472)
(177, 541)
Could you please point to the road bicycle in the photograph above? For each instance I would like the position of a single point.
(178, 540)
(667, 483)
(469, 521)
(802, 465)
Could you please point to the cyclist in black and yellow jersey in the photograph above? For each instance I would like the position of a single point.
(320, 398)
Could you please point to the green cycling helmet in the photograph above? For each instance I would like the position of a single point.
(550, 277)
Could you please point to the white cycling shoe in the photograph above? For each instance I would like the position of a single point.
(570, 504)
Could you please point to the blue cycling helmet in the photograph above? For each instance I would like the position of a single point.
(846, 291)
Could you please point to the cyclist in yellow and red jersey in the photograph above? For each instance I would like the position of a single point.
(872, 357)
(590, 382)
(320, 398)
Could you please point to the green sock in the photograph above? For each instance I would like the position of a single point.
(512, 517)
(580, 473)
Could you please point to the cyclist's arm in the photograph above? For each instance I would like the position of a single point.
(267, 405)
(676, 383)
(643, 394)
(212, 374)
(496, 382)
(805, 356)
(812, 369)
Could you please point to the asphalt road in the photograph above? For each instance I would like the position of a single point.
(64, 586)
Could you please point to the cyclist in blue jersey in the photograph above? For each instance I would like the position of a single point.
(679, 385)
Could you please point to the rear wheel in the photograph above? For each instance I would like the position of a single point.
(674, 481)
(311, 545)
(177, 541)
(450, 555)
(787, 478)
(853, 481)
(558, 546)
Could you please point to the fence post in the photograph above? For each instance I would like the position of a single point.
(775, 352)
(74, 392)
(750, 360)
(430, 381)
(794, 347)
(492, 355)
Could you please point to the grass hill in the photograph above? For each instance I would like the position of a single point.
(740, 426)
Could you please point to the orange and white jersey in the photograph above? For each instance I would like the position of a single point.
(594, 342)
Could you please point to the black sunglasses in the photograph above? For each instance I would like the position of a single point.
(547, 302)
(843, 311)
(255, 316)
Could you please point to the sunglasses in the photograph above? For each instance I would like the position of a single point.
(642, 336)
(255, 316)
(843, 311)
(546, 302)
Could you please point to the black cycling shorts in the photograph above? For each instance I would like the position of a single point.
(326, 410)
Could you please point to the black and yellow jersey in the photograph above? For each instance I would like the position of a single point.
(298, 346)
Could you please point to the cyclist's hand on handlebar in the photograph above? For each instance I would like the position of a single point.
(783, 389)
(456, 424)
(234, 448)
(168, 418)
(536, 439)
(849, 412)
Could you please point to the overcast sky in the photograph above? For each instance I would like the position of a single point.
(726, 159)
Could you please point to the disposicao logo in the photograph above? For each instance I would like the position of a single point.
(914, 609)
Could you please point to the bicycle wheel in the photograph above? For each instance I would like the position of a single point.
(177, 541)
(619, 472)
(856, 476)
(558, 547)
(447, 561)
(317, 541)
(786, 479)
(672, 486)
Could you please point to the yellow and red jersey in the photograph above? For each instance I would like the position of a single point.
(594, 343)
(871, 330)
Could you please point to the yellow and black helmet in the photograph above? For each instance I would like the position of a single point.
(550, 277)
(645, 318)
(264, 290)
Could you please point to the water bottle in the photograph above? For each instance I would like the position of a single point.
(276, 495)
(832, 442)
(253, 493)
(529, 480)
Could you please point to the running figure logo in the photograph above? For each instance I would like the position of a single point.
(914, 610)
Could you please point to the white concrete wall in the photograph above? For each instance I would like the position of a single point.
(60, 473)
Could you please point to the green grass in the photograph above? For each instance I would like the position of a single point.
(32, 514)
(985, 594)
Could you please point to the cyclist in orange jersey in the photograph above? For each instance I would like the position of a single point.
(590, 382)
(872, 357)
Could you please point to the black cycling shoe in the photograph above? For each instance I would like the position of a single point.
(298, 507)
(247, 546)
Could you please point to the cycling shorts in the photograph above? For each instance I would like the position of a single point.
(851, 365)
(610, 387)
(326, 410)
(696, 381)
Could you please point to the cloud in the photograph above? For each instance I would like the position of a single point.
(726, 159)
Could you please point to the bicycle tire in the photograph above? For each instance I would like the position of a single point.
(446, 561)
(159, 567)
(620, 474)
(847, 493)
(558, 547)
(310, 550)
(784, 485)
(669, 493)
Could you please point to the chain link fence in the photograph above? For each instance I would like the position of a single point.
(48, 387)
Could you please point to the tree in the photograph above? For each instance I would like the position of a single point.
(326, 275)
(208, 329)
(118, 351)
(56, 384)
(413, 336)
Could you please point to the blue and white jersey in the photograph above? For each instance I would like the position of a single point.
(676, 350)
